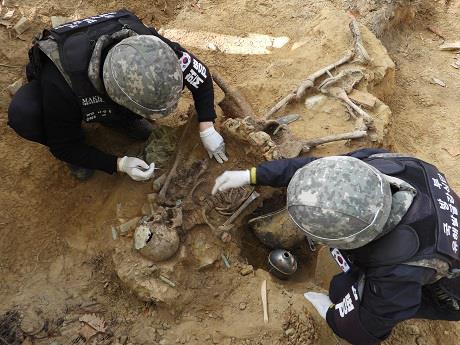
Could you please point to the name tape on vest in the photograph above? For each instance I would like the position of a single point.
(447, 209)
(88, 21)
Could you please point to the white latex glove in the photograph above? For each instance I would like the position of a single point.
(231, 179)
(320, 301)
(214, 144)
(136, 168)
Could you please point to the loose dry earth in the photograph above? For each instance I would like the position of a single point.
(57, 259)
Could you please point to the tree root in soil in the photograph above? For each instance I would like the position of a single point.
(234, 103)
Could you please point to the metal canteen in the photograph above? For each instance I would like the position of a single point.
(281, 263)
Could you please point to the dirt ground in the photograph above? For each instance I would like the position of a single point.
(56, 252)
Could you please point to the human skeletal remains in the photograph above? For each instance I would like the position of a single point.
(265, 139)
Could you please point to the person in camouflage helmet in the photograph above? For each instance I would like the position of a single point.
(111, 69)
(391, 222)
(142, 73)
(341, 202)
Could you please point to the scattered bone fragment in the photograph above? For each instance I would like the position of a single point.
(308, 145)
(309, 82)
(225, 260)
(263, 295)
(212, 46)
(129, 225)
(305, 85)
(167, 281)
(114, 233)
(450, 46)
(8, 15)
(341, 94)
(346, 79)
(360, 52)
(438, 82)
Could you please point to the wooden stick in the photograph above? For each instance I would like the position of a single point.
(306, 84)
(179, 153)
(308, 145)
(234, 94)
(263, 293)
(360, 51)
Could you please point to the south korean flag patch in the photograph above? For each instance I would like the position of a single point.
(185, 61)
(340, 259)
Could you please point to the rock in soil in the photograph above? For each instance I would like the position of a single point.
(13, 88)
(277, 230)
(22, 25)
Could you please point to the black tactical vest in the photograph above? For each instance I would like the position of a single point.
(70, 47)
(428, 233)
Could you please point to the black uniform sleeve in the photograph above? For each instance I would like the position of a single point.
(390, 295)
(62, 122)
(278, 173)
(365, 152)
(197, 78)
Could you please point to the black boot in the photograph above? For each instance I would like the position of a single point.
(80, 173)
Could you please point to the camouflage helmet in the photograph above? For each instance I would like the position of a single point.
(143, 74)
(341, 202)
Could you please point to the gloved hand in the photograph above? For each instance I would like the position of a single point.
(214, 144)
(231, 179)
(320, 301)
(136, 168)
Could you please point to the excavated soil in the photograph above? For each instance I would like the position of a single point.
(58, 259)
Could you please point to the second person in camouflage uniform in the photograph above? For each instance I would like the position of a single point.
(391, 222)
(111, 69)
